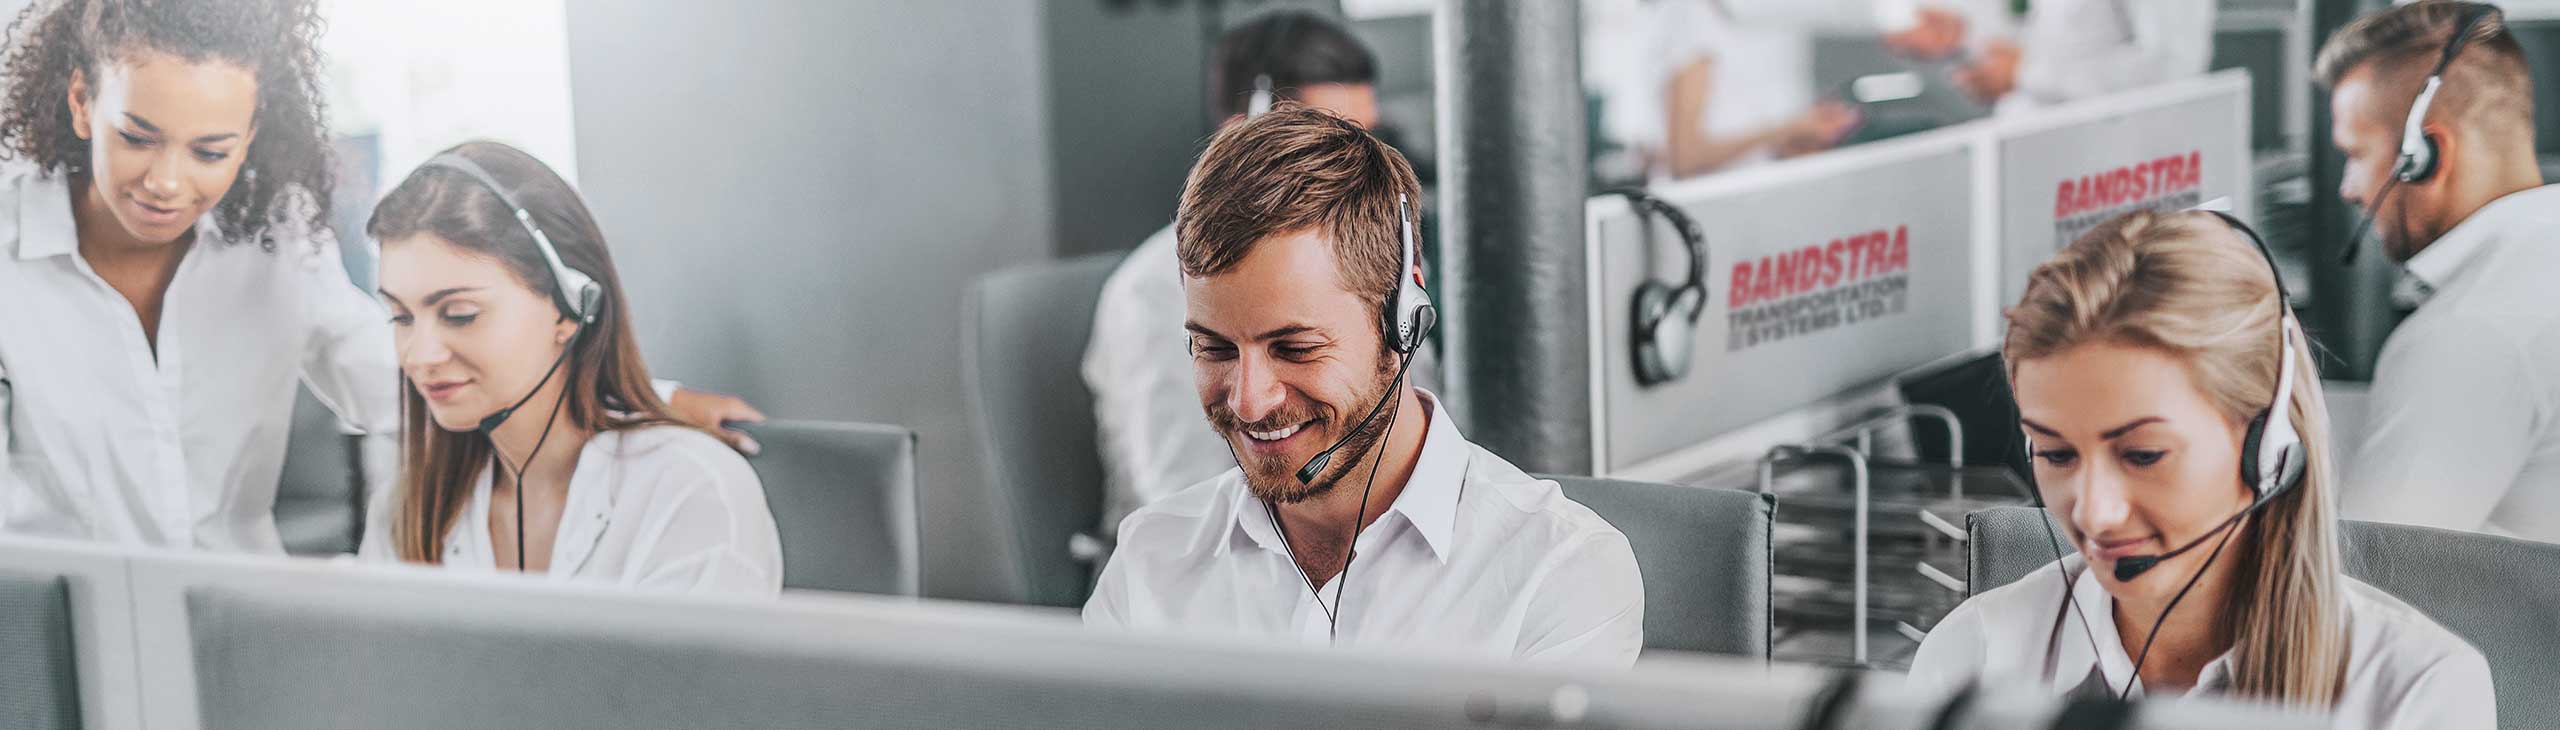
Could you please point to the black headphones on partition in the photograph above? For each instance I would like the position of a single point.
(2420, 156)
(1666, 316)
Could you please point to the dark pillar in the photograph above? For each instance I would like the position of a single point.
(2350, 311)
(1511, 131)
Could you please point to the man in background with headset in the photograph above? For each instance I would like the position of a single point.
(1357, 515)
(1147, 423)
(2465, 413)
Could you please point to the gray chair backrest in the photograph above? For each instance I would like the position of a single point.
(843, 497)
(2500, 594)
(1705, 557)
(39, 689)
(317, 497)
(1022, 359)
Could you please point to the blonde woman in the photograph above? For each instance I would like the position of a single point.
(2147, 358)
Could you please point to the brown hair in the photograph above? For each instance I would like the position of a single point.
(1298, 168)
(1294, 49)
(2489, 83)
(606, 386)
(278, 41)
(2177, 283)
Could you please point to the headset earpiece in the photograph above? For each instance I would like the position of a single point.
(2420, 153)
(2417, 163)
(578, 295)
(1409, 312)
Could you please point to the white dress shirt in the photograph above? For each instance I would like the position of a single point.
(2076, 49)
(101, 439)
(2463, 421)
(2404, 672)
(1154, 437)
(656, 508)
(1473, 557)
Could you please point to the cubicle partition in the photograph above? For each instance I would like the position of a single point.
(1831, 273)
(66, 637)
(232, 642)
(1840, 269)
(2068, 169)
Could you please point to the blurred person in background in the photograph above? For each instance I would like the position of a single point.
(2463, 420)
(1693, 91)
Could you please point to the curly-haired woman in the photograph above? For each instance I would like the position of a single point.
(165, 272)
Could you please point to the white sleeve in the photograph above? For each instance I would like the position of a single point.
(1590, 607)
(715, 535)
(1146, 401)
(350, 363)
(2171, 39)
(2449, 426)
(1109, 600)
(1952, 654)
(2455, 694)
(1106, 607)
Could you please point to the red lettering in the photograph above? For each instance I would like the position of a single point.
(1831, 264)
(1788, 275)
(1737, 295)
(1874, 246)
(1760, 287)
(2062, 201)
(2141, 177)
(2195, 169)
(1901, 251)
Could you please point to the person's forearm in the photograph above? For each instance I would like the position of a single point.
(1697, 153)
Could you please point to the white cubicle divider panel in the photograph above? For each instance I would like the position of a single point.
(283, 647)
(101, 615)
(237, 642)
(1825, 273)
(2066, 169)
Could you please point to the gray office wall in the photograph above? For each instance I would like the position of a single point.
(1128, 101)
(796, 195)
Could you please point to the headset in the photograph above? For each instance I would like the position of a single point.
(1408, 318)
(2419, 153)
(1266, 57)
(2272, 460)
(577, 295)
(1666, 316)
(1260, 102)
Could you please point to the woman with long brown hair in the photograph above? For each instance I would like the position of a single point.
(2148, 359)
(533, 440)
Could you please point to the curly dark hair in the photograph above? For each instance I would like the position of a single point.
(286, 177)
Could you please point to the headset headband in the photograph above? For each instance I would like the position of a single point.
(575, 291)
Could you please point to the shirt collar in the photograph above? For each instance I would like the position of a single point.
(1429, 502)
(2452, 254)
(45, 226)
(2097, 610)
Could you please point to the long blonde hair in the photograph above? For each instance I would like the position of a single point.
(2176, 283)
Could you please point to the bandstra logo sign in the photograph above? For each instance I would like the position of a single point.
(2167, 183)
(1850, 280)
